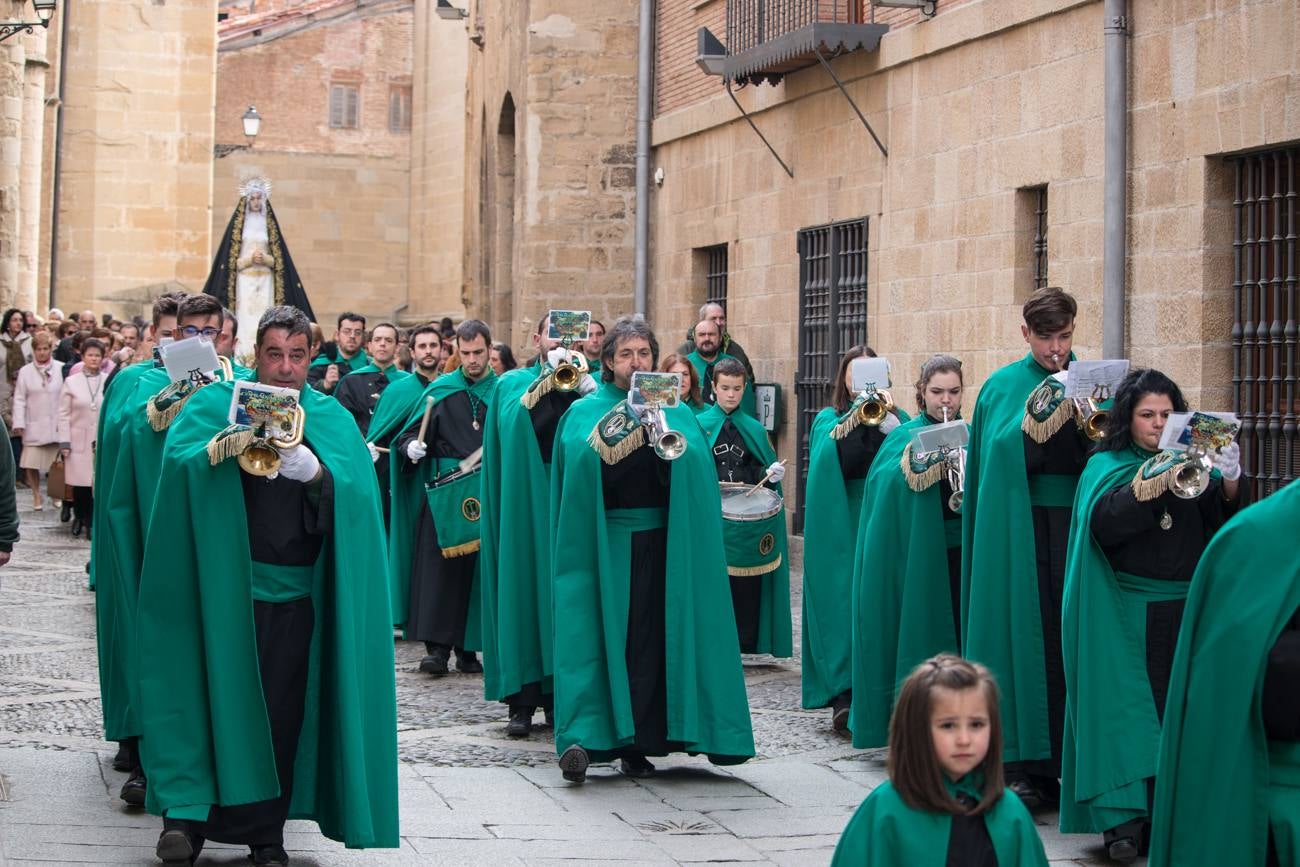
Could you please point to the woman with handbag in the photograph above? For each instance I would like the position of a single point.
(79, 403)
(36, 412)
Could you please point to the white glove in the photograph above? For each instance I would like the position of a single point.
(557, 356)
(299, 464)
(586, 385)
(891, 421)
(1062, 376)
(374, 452)
(776, 472)
(1228, 462)
(415, 450)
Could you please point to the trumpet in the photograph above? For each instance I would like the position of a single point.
(1192, 477)
(567, 374)
(879, 403)
(668, 444)
(1091, 418)
(955, 467)
(261, 457)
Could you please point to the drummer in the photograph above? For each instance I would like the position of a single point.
(753, 525)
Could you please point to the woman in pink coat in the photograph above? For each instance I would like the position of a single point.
(83, 393)
(36, 412)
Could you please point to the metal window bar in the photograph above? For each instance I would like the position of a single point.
(1040, 239)
(1264, 330)
(832, 318)
(751, 23)
(715, 275)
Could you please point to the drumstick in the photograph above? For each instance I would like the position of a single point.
(380, 449)
(763, 481)
(424, 422)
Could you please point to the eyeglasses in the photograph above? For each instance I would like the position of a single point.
(31, 326)
(192, 331)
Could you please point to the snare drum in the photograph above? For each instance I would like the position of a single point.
(753, 528)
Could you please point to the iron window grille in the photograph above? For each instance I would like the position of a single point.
(1264, 328)
(1040, 237)
(715, 275)
(832, 319)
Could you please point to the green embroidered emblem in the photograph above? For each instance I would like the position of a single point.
(164, 406)
(618, 433)
(922, 472)
(1047, 410)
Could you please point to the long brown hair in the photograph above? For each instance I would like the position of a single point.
(913, 767)
(842, 396)
(671, 361)
(936, 364)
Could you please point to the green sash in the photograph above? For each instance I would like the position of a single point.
(886, 832)
(901, 601)
(1221, 783)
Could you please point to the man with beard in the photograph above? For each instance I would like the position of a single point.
(395, 404)
(708, 352)
(435, 557)
(326, 370)
(360, 390)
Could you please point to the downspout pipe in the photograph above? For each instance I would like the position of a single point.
(644, 94)
(57, 171)
(1115, 216)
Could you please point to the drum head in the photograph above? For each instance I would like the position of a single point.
(762, 504)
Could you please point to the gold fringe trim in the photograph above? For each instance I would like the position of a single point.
(541, 387)
(847, 425)
(1042, 431)
(624, 447)
(228, 443)
(751, 571)
(462, 550)
(1147, 490)
(236, 245)
(161, 419)
(920, 481)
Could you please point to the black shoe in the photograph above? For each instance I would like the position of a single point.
(177, 844)
(840, 712)
(521, 723)
(123, 761)
(435, 663)
(550, 718)
(133, 789)
(467, 662)
(636, 766)
(573, 764)
(268, 855)
(65, 514)
(1124, 850)
(88, 537)
(1027, 792)
(76, 527)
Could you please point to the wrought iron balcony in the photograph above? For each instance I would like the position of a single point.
(768, 39)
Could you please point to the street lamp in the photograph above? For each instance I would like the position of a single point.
(44, 12)
(252, 124)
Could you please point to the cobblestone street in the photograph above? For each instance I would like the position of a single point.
(469, 795)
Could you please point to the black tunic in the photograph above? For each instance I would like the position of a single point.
(358, 393)
(969, 843)
(1130, 535)
(441, 587)
(287, 525)
(641, 480)
(736, 463)
(858, 450)
(1281, 699)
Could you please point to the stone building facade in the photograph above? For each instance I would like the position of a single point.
(550, 160)
(992, 114)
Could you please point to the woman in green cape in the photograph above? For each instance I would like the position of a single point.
(1229, 784)
(840, 452)
(1134, 545)
(945, 803)
(690, 394)
(902, 577)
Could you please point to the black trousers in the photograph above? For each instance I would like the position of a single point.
(531, 695)
(83, 504)
(284, 632)
(646, 635)
(440, 589)
(747, 601)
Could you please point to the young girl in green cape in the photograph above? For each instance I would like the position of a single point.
(945, 781)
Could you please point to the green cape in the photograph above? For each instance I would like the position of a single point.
(774, 628)
(708, 709)
(1112, 732)
(515, 557)
(393, 374)
(902, 610)
(394, 406)
(886, 832)
(409, 496)
(1219, 786)
(748, 403)
(352, 365)
(1001, 623)
(831, 515)
(115, 594)
(206, 737)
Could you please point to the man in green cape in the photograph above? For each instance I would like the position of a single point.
(1022, 467)
(1228, 788)
(359, 392)
(717, 314)
(434, 559)
(141, 406)
(515, 559)
(901, 588)
(646, 658)
(706, 356)
(326, 370)
(266, 661)
(592, 345)
(758, 560)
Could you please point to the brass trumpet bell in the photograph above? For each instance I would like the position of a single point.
(567, 374)
(262, 456)
(1192, 477)
(874, 409)
(668, 444)
(1092, 420)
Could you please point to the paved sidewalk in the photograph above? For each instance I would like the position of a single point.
(469, 795)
